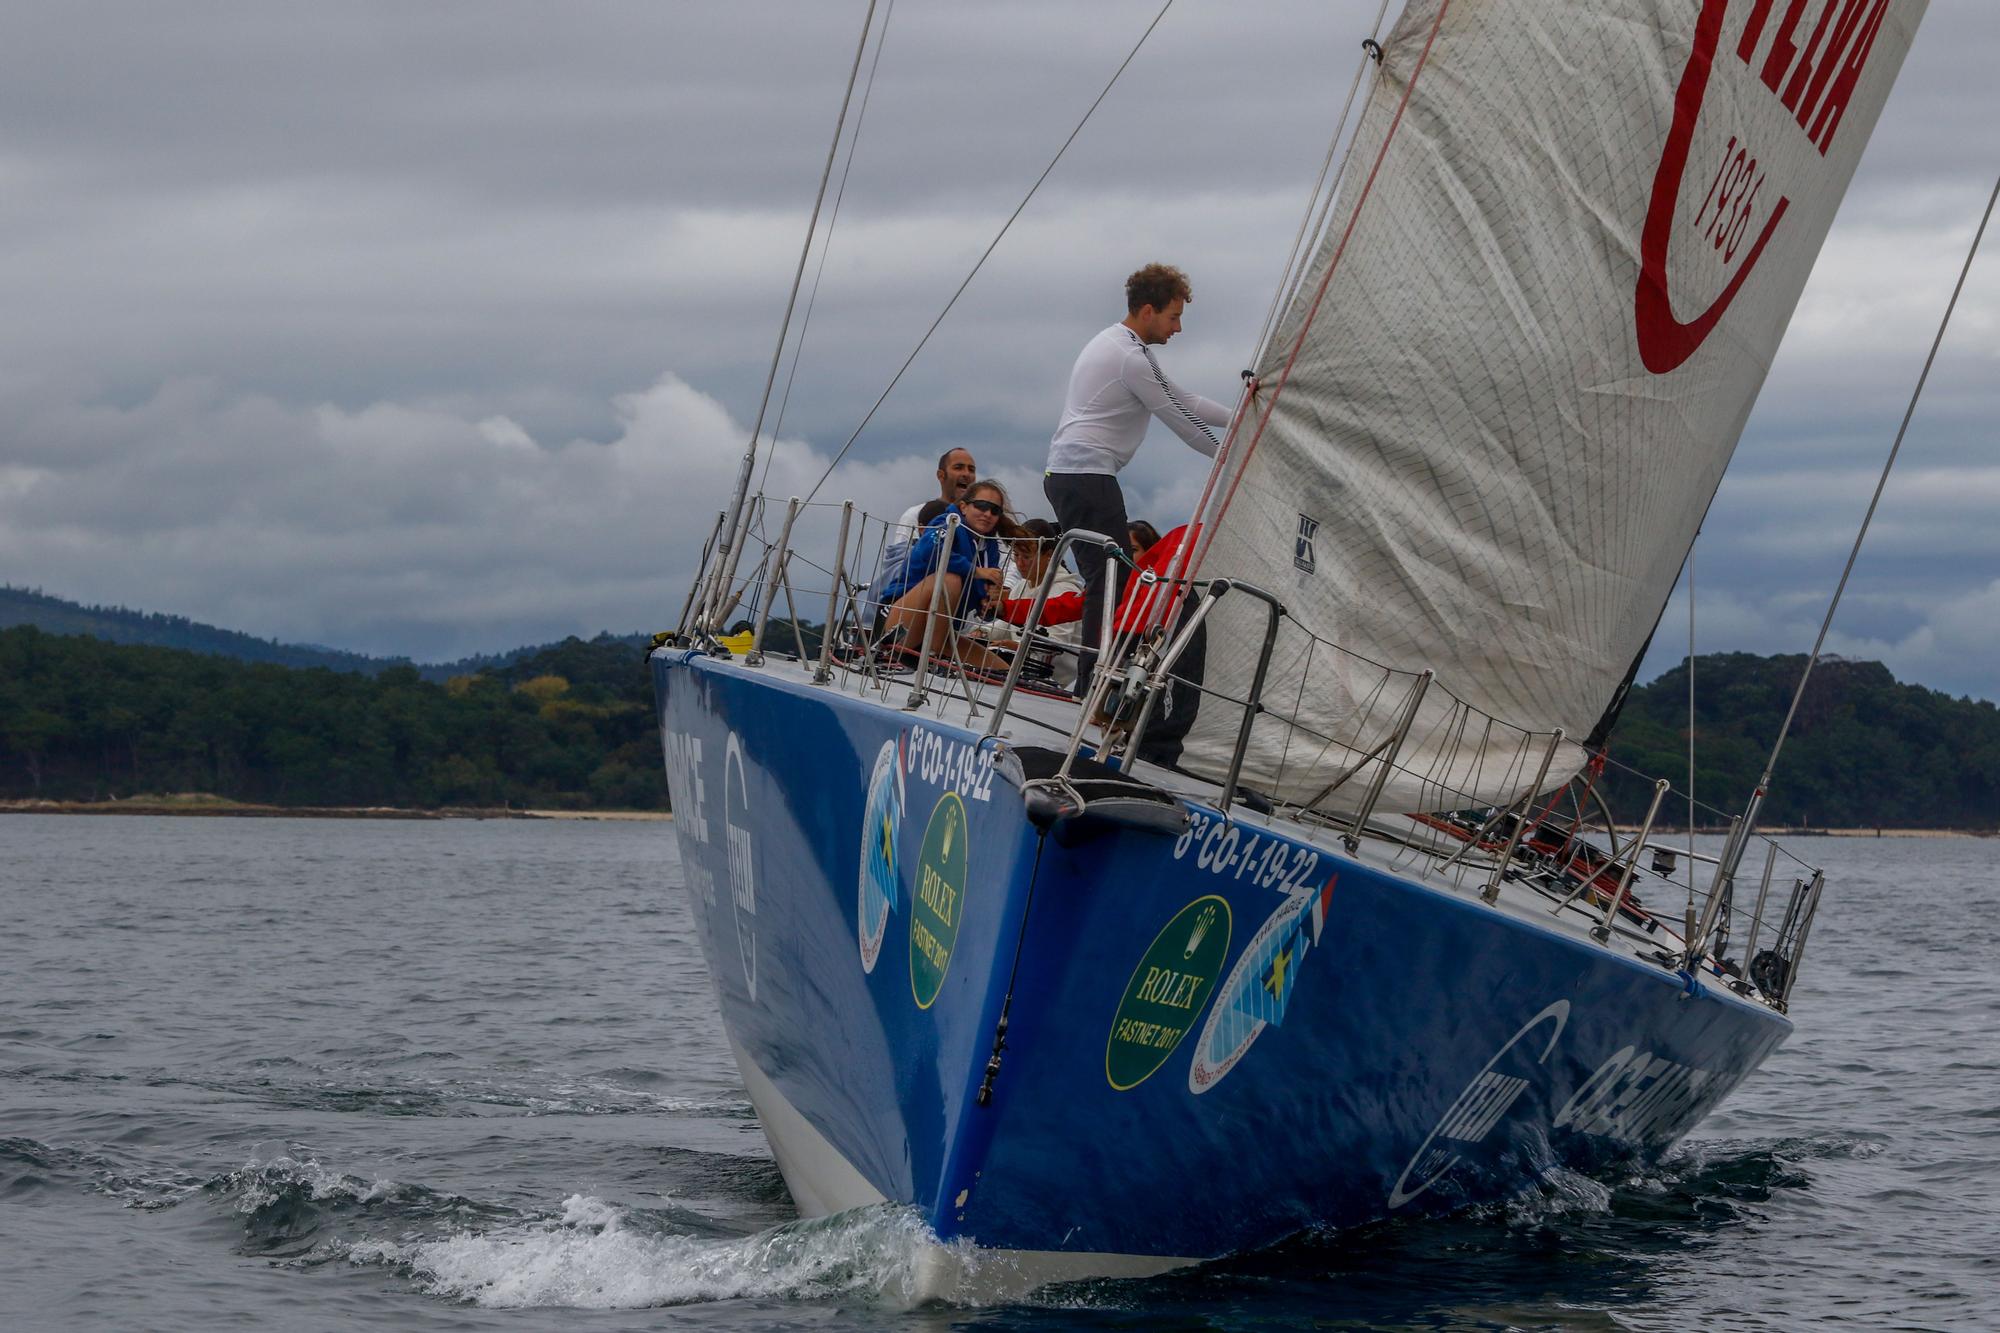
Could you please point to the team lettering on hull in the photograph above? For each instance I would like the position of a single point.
(1485, 1102)
(1809, 57)
(688, 792)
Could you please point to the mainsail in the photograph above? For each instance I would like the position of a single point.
(1569, 237)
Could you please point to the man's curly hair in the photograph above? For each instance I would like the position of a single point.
(1156, 285)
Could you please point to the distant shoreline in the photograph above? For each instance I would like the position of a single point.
(217, 807)
(211, 807)
(1814, 832)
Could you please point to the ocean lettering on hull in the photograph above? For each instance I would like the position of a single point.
(1637, 1097)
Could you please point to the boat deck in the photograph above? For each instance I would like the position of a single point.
(1426, 851)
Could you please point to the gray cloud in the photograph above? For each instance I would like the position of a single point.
(438, 328)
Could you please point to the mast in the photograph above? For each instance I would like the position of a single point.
(734, 527)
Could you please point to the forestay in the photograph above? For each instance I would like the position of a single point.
(1569, 237)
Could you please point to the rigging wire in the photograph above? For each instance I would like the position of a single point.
(1309, 225)
(993, 245)
(1690, 791)
(731, 551)
(826, 246)
(1306, 224)
(1735, 853)
(1270, 403)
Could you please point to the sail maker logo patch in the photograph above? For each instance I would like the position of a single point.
(1302, 553)
(1812, 63)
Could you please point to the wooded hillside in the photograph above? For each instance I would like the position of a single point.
(569, 727)
(1865, 750)
(118, 624)
(572, 726)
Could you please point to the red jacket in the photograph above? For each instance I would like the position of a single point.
(1135, 600)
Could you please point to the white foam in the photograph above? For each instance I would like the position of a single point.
(1557, 1192)
(592, 1258)
(263, 1181)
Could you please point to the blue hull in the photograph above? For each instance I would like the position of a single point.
(1212, 1039)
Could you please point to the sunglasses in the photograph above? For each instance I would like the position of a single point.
(986, 506)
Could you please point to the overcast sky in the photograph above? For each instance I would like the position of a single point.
(438, 328)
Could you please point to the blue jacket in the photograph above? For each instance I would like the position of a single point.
(969, 551)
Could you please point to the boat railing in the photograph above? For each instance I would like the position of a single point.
(1444, 758)
(1581, 861)
(765, 613)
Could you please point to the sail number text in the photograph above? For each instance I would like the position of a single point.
(1223, 848)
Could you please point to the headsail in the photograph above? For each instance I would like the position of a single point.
(1569, 238)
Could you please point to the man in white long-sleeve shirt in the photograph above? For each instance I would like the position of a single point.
(1116, 388)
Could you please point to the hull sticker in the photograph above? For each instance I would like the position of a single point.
(881, 823)
(1483, 1104)
(1167, 991)
(1260, 985)
(742, 863)
(940, 898)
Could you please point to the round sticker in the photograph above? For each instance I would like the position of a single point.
(940, 897)
(1167, 991)
(880, 824)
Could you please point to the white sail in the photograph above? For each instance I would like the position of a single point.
(1569, 237)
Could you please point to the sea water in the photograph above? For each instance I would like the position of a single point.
(468, 1075)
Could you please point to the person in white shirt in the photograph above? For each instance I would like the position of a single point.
(955, 473)
(1116, 388)
(1031, 554)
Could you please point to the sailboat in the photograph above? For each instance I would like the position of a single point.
(1369, 944)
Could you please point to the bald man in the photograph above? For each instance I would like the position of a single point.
(955, 473)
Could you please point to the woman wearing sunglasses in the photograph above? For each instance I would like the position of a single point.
(970, 570)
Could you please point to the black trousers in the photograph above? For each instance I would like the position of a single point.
(1174, 716)
(1091, 501)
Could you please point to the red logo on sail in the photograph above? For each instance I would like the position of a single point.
(1814, 74)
